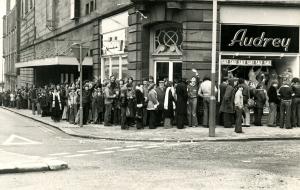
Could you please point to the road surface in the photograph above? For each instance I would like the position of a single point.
(98, 164)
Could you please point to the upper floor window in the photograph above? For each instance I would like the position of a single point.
(87, 9)
(92, 8)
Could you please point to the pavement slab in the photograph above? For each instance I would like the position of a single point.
(189, 134)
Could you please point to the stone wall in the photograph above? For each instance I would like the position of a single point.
(195, 17)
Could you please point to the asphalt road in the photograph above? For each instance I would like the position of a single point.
(98, 164)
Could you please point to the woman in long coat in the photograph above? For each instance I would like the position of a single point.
(181, 104)
(169, 105)
(56, 106)
(227, 104)
(152, 106)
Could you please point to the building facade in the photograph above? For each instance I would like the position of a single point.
(159, 38)
(11, 41)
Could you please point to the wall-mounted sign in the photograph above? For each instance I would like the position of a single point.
(245, 62)
(258, 38)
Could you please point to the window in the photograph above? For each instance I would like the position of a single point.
(87, 9)
(168, 41)
(92, 6)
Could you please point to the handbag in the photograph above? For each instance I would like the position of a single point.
(127, 112)
(251, 103)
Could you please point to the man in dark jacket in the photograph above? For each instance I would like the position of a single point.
(246, 96)
(86, 101)
(181, 104)
(296, 102)
(160, 90)
(33, 98)
(285, 93)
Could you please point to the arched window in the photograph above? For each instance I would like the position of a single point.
(168, 41)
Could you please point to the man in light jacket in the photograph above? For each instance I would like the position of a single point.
(205, 93)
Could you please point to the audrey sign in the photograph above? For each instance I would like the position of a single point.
(254, 38)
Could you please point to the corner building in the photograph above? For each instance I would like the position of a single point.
(159, 38)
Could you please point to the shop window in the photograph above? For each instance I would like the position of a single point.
(168, 41)
(117, 66)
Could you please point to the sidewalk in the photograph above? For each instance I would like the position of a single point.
(165, 135)
(19, 163)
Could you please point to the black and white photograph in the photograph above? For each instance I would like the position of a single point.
(149, 95)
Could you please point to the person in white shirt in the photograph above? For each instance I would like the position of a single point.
(205, 93)
(239, 104)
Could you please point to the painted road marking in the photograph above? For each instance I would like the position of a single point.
(148, 147)
(133, 146)
(86, 151)
(113, 148)
(59, 154)
(18, 140)
(128, 149)
(104, 152)
(75, 155)
(45, 129)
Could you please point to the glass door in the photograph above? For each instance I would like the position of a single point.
(177, 71)
(170, 70)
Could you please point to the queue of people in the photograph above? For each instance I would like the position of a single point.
(146, 104)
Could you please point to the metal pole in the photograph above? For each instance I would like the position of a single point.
(81, 88)
(212, 101)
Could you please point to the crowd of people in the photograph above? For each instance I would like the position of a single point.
(181, 103)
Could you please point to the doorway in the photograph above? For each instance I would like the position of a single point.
(171, 70)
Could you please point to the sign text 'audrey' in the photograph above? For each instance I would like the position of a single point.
(242, 39)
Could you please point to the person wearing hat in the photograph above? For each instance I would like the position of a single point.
(160, 91)
(285, 94)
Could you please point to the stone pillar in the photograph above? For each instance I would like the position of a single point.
(197, 38)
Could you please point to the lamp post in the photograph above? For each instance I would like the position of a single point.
(212, 101)
(79, 51)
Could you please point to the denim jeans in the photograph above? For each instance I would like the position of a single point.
(285, 114)
(272, 114)
(73, 113)
(247, 116)
(206, 111)
(192, 112)
(107, 115)
(238, 119)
